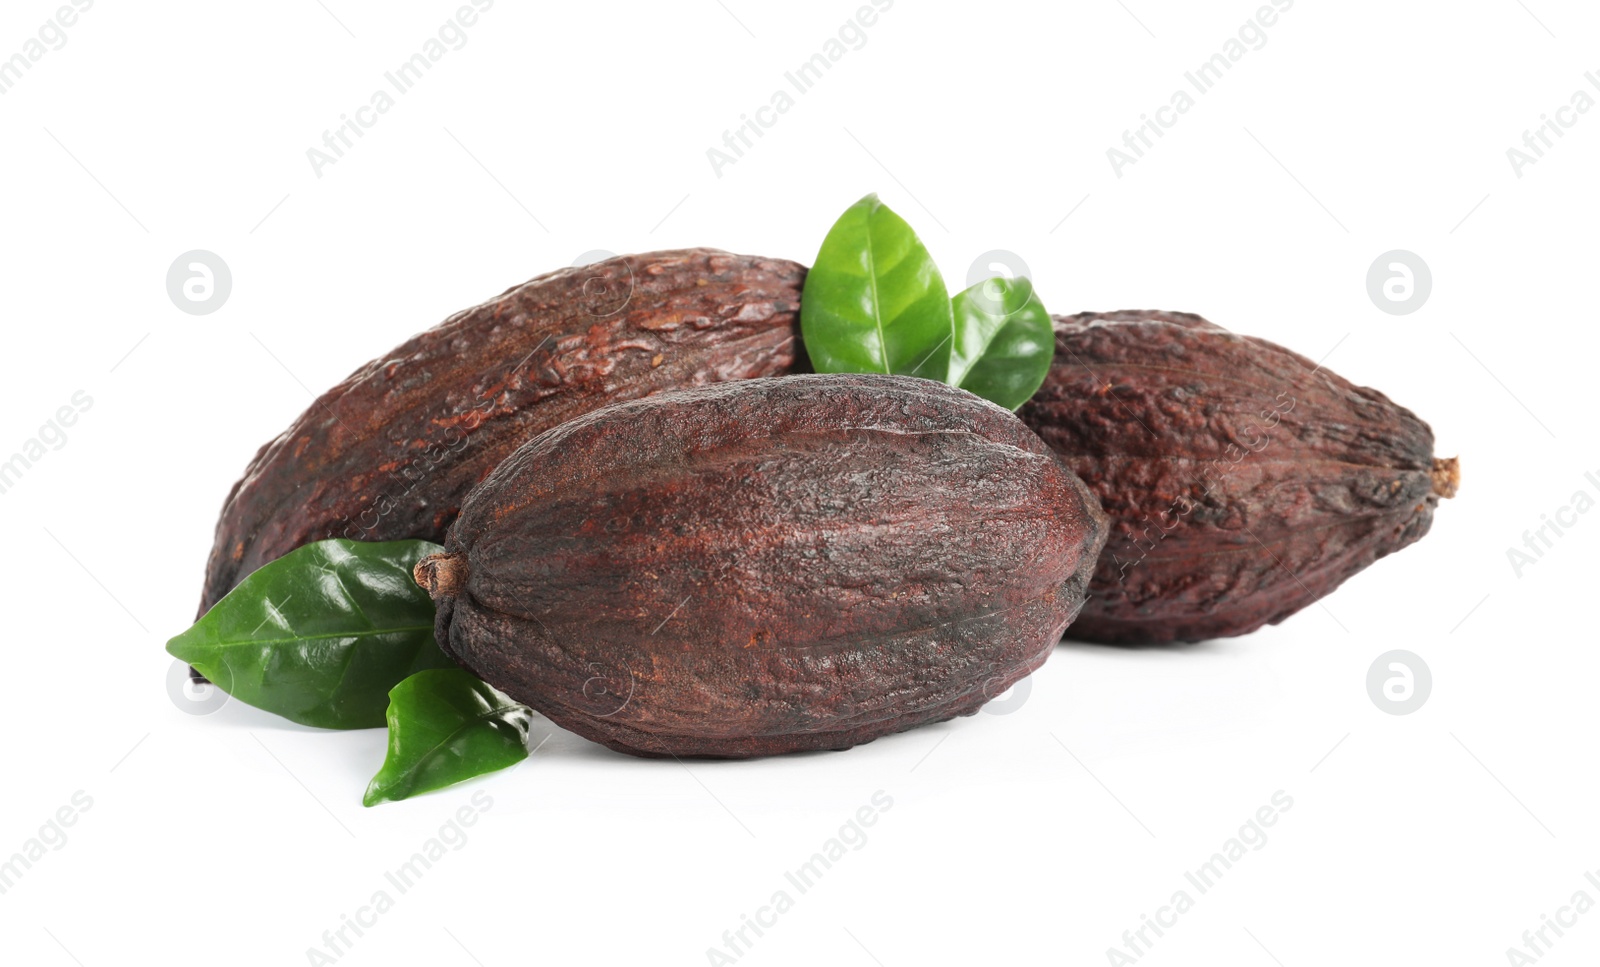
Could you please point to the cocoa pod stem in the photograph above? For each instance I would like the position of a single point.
(441, 575)
(1446, 477)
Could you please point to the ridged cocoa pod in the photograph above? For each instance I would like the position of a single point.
(767, 566)
(390, 453)
(1243, 481)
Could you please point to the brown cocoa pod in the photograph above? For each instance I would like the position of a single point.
(767, 566)
(1243, 481)
(390, 453)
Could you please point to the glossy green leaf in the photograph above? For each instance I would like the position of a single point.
(874, 301)
(322, 634)
(446, 726)
(1004, 341)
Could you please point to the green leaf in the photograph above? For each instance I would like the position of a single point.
(874, 302)
(446, 726)
(320, 635)
(1004, 341)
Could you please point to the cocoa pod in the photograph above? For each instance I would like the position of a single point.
(1243, 481)
(390, 453)
(767, 566)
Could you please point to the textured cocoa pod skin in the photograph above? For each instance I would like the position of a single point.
(768, 566)
(1243, 482)
(390, 453)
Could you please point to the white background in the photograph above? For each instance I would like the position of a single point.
(1032, 837)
